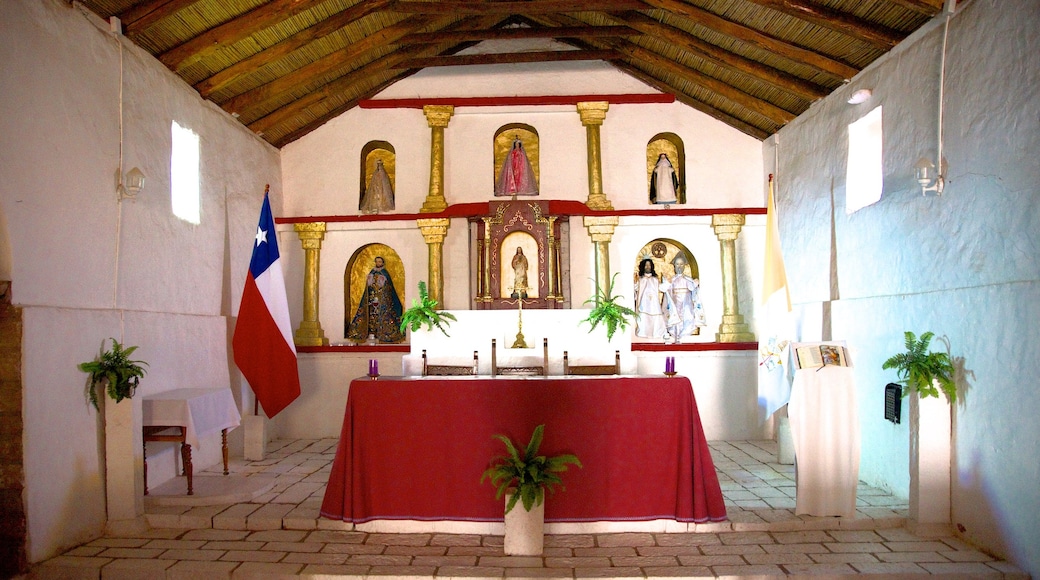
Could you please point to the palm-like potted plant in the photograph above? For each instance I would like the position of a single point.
(115, 372)
(424, 312)
(525, 476)
(920, 370)
(606, 310)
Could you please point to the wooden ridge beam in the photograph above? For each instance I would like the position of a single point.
(483, 7)
(721, 57)
(520, 33)
(509, 58)
(847, 24)
(272, 53)
(822, 63)
(232, 31)
(247, 102)
(141, 16)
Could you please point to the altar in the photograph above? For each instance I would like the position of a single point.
(413, 448)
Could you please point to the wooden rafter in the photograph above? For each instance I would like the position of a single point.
(824, 64)
(242, 68)
(142, 16)
(879, 36)
(926, 7)
(509, 58)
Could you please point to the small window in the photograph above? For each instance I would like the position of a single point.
(863, 183)
(184, 174)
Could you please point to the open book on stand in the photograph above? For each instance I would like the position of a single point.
(818, 355)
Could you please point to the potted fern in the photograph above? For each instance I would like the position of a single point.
(424, 312)
(115, 372)
(607, 311)
(523, 477)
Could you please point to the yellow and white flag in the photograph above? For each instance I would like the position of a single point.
(775, 326)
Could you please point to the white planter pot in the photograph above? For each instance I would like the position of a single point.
(524, 530)
(124, 459)
(930, 443)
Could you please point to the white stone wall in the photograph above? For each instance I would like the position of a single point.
(963, 265)
(86, 268)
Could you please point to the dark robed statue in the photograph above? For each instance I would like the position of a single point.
(379, 311)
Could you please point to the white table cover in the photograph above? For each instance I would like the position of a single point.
(201, 412)
(825, 429)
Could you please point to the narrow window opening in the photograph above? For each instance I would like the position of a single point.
(865, 177)
(184, 174)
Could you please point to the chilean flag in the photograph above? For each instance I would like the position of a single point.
(263, 343)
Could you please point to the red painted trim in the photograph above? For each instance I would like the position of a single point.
(693, 346)
(359, 348)
(625, 99)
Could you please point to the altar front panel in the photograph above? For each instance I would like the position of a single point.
(415, 448)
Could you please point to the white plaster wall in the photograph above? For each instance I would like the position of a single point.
(85, 267)
(962, 265)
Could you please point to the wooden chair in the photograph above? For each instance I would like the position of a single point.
(448, 370)
(614, 369)
(520, 371)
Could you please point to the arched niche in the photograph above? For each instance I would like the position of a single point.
(519, 242)
(355, 276)
(503, 143)
(376, 151)
(662, 251)
(671, 145)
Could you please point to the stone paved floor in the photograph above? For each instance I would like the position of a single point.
(279, 534)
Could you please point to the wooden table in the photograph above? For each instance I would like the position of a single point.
(414, 448)
(185, 415)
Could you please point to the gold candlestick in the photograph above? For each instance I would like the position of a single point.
(519, 342)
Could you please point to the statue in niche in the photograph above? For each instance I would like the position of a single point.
(664, 184)
(517, 175)
(686, 314)
(519, 265)
(379, 195)
(379, 312)
(650, 315)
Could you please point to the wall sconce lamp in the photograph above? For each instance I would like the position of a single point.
(132, 184)
(860, 96)
(929, 178)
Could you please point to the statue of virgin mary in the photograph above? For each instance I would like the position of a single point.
(516, 176)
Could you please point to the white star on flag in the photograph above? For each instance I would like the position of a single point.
(261, 236)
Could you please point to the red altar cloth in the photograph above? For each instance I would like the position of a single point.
(414, 448)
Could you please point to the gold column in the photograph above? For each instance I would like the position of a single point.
(601, 230)
(434, 231)
(550, 221)
(733, 328)
(485, 273)
(592, 115)
(437, 116)
(310, 333)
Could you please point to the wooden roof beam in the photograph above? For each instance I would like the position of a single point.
(506, 8)
(510, 58)
(847, 24)
(276, 51)
(926, 7)
(721, 57)
(140, 17)
(822, 63)
(520, 33)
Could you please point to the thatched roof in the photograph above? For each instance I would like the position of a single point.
(284, 67)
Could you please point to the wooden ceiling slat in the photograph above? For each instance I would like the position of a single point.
(509, 58)
(790, 83)
(222, 79)
(255, 97)
(232, 31)
(520, 33)
(503, 8)
(879, 36)
(141, 16)
(753, 37)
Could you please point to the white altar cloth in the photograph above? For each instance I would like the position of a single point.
(201, 412)
(825, 428)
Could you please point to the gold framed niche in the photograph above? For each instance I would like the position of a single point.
(671, 145)
(355, 276)
(503, 144)
(372, 152)
(522, 243)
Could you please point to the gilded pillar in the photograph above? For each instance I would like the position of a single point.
(592, 115)
(601, 230)
(437, 116)
(310, 332)
(733, 328)
(434, 231)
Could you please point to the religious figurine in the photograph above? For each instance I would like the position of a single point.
(516, 176)
(379, 311)
(650, 319)
(664, 185)
(687, 313)
(519, 265)
(379, 195)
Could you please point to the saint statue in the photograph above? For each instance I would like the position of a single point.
(379, 311)
(650, 319)
(516, 176)
(687, 313)
(664, 185)
(379, 195)
(519, 265)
